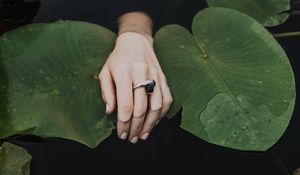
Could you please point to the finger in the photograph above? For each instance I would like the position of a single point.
(139, 101)
(123, 83)
(135, 128)
(122, 129)
(139, 94)
(107, 89)
(155, 106)
(151, 120)
(167, 99)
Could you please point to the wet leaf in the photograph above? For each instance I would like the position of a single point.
(232, 78)
(267, 12)
(48, 86)
(14, 160)
(297, 172)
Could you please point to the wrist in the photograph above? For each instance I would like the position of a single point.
(134, 37)
(136, 22)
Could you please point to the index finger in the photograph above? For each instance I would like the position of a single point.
(124, 95)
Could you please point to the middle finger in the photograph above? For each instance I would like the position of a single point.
(139, 102)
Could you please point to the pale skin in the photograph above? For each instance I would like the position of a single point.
(133, 61)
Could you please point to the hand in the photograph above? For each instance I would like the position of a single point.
(132, 61)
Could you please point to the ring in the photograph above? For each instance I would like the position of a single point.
(148, 84)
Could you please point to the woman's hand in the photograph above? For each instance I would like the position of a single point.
(133, 61)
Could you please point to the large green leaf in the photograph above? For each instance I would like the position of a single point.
(297, 172)
(231, 76)
(47, 85)
(267, 12)
(14, 160)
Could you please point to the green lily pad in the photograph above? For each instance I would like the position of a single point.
(297, 172)
(14, 160)
(267, 12)
(48, 86)
(232, 78)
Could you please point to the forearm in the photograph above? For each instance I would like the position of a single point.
(137, 22)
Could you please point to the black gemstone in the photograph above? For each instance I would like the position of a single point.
(149, 87)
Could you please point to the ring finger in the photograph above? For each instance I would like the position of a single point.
(155, 106)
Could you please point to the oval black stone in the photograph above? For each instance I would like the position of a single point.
(149, 87)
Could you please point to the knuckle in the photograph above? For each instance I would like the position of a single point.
(168, 101)
(151, 125)
(122, 127)
(121, 71)
(127, 109)
(139, 112)
(156, 107)
(148, 127)
(121, 68)
(163, 83)
(140, 67)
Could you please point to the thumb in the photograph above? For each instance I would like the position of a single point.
(108, 89)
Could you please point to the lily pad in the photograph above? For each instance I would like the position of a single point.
(14, 160)
(267, 12)
(297, 172)
(48, 86)
(232, 78)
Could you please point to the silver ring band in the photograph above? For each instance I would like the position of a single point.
(144, 83)
(148, 84)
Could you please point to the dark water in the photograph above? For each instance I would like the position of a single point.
(169, 150)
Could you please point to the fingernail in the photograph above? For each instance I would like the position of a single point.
(124, 136)
(134, 139)
(157, 123)
(145, 136)
(107, 108)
